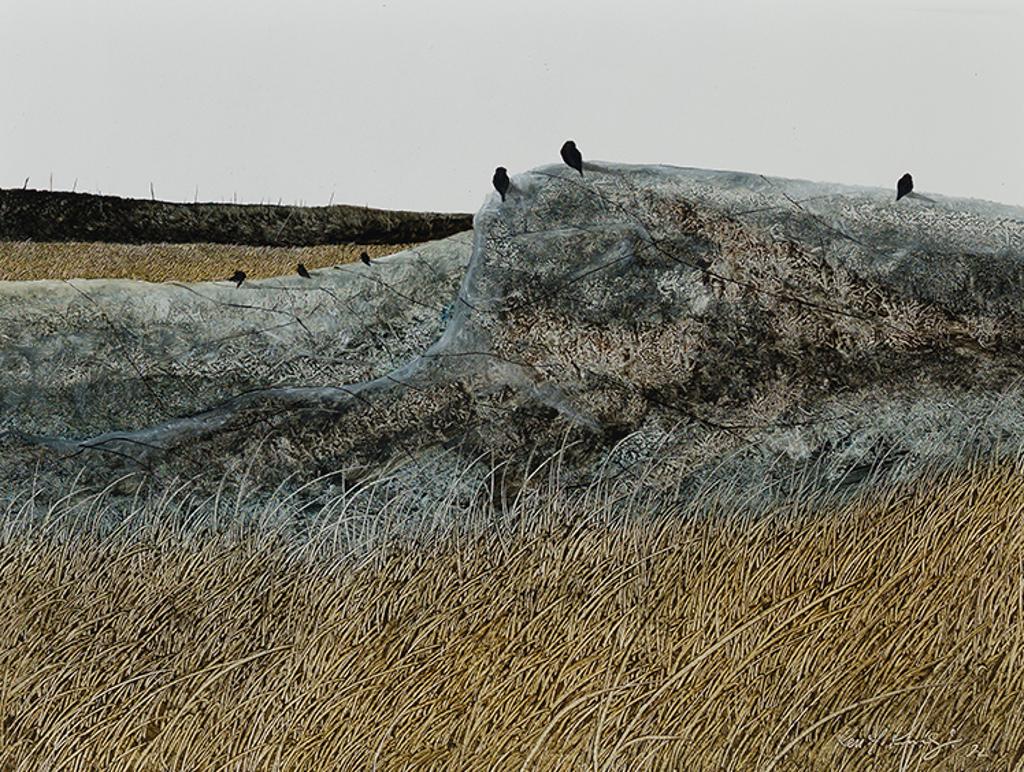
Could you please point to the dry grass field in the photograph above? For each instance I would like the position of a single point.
(26, 260)
(883, 634)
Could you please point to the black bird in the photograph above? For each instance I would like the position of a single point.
(303, 272)
(904, 186)
(572, 156)
(501, 181)
(238, 278)
(365, 257)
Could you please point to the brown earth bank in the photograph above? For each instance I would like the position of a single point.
(60, 216)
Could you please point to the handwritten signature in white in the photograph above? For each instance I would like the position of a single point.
(931, 743)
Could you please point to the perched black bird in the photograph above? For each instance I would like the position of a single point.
(303, 272)
(572, 156)
(501, 181)
(238, 278)
(365, 257)
(904, 186)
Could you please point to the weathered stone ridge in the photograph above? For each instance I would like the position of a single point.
(84, 357)
(668, 326)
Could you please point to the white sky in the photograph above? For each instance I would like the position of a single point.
(411, 104)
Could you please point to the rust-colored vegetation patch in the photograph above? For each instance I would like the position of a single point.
(885, 635)
(26, 260)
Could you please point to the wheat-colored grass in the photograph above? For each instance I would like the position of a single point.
(883, 634)
(27, 260)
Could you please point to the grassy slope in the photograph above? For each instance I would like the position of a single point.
(814, 639)
(46, 235)
(25, 260)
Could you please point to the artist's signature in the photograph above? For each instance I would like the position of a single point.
(930, 745)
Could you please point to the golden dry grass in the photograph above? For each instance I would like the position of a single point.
(26, 260)
(883, 635)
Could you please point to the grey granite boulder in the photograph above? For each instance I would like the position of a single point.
(665, 327)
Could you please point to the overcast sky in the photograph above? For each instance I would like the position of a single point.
(410, 104)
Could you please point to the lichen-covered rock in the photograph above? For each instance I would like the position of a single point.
(85, 358)
(665, 326)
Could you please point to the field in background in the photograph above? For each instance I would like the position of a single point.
(26, 260)
(884, 634)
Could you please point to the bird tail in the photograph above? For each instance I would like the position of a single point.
(502, 196)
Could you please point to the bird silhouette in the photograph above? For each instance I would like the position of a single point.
(904, 186)
(303, 272)
(572, 156)
(238, 278)
(365, 257)
(501, 181)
